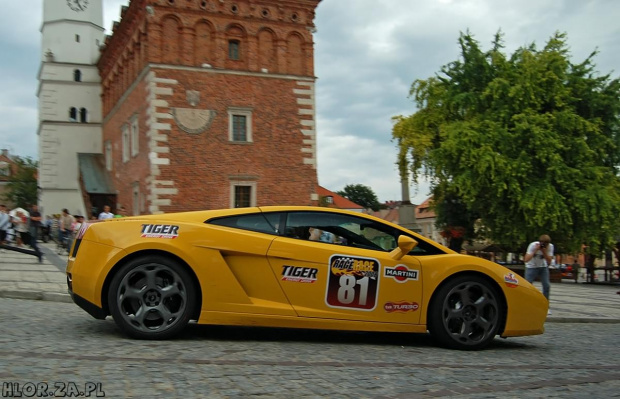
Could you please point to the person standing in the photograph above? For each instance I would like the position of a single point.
(575, 269)
(122, 212)
(35, 225)
(538, 257)
(65, 226)
(5, 224)
(106, 214)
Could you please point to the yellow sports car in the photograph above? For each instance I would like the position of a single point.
(300, 267)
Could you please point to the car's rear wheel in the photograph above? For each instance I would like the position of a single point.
(152, 298)
(465, 313)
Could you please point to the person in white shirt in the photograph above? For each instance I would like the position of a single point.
(538, 257)
(5, 224)
(106, 214)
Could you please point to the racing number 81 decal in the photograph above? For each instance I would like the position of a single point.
(353, 282)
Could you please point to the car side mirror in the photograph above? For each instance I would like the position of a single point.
(405, 244)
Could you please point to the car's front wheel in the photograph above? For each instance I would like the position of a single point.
(151, 297)
(465, 313)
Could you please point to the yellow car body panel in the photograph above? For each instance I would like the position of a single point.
(248, 277)
(527, 304)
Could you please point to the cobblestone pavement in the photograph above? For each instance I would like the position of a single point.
(43, 341)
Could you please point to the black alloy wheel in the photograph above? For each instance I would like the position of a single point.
(466, 313)
(152, 297)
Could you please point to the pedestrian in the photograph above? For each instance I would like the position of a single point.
(46, 228)
(538, 258)
(79, 221)
(20, 223)
(575, 269)
(35, 225)
(65, 226)
(122, 212)
(106, 214)
(5, 224)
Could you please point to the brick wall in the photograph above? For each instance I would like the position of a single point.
(157, 58)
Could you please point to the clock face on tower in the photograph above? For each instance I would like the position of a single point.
(77, 5)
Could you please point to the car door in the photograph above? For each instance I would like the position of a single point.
(345, 271)
(242, 279)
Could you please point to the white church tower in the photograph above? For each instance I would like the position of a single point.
(69, 99)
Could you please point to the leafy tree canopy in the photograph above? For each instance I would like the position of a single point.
(22, 186)
(527, 144)
(361, 195)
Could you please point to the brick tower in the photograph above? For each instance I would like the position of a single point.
(210, 104)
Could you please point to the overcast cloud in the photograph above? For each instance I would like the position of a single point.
(367, 54)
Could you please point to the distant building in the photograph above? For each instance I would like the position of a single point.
(425, 218)
(332, 200)
(7, 169)
(204, 104)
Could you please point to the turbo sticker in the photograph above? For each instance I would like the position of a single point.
(353, 282)
(400, 273)
(299, 274)
(160, 231)
(401, 306)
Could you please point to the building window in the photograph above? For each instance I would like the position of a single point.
(234, 49)
(242, 194)
(73, 114)
(77, 75)
(108, 155)
(240, 125)
(77, 38)
(83, 115)
(135, 149)
(243, 197)
(125, 134)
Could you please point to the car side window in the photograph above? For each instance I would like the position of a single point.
(352, 231)
(262, 222)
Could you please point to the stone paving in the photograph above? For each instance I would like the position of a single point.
(51, 342)
(22, 276)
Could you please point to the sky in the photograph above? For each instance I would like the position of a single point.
(367, 55)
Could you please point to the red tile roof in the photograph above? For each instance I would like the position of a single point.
(339, 201)
(424, 211)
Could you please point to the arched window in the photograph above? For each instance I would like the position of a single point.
(234, 49)
(73, 114)
(83, 115)
(77, 75)
(295, 55)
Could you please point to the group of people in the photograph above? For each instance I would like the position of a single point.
(27, 225)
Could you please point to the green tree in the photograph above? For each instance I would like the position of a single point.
(528, 144)
(22, 185)
(361, 195)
